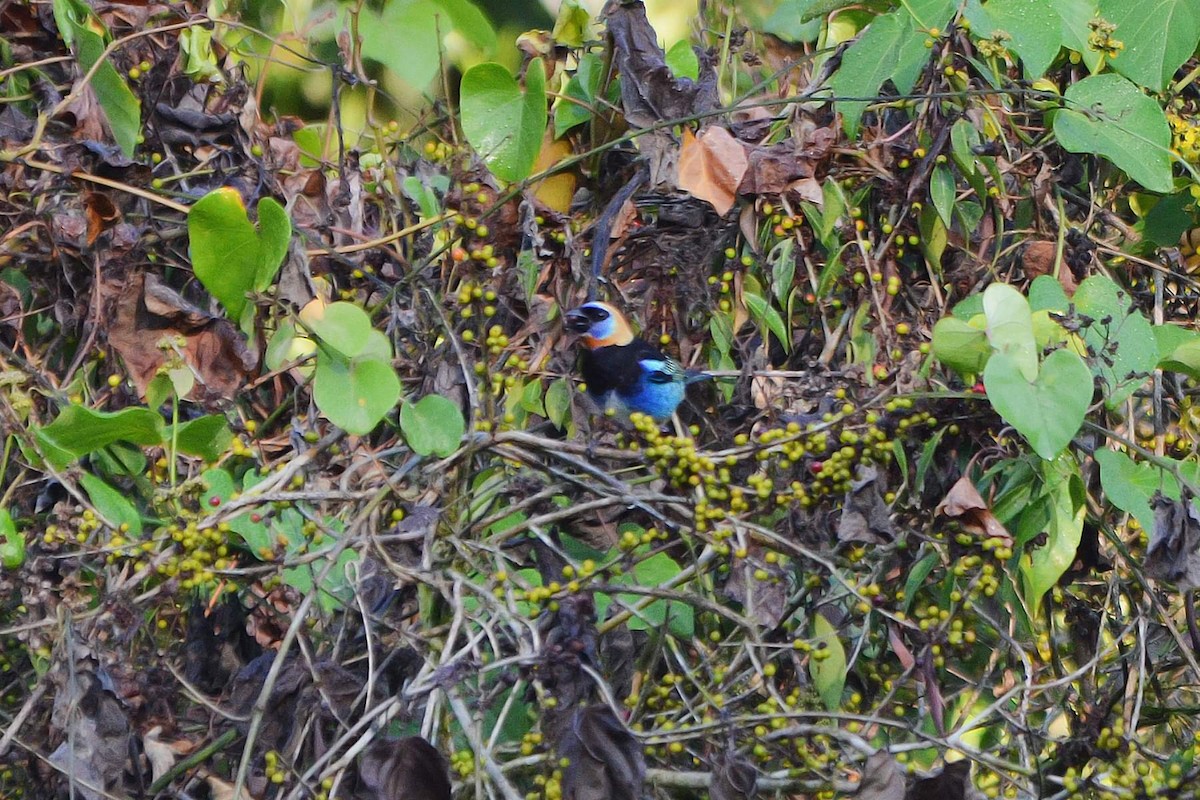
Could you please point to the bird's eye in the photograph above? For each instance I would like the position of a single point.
(658, 376)
(596, 314)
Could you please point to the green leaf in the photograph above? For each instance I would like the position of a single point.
(941, 191)
(1129, 485)
(656, 571)
(199, 60)
(934, 238)
(766, 315)
(1047, 411)
(231, 255)
(916, 578)
(1010, 327)
(78, 431)
(868, 62)
(583, 88)
(558, 402)
(120, 105)
(1126, 339)
(787, 22)
(1075, 15)
(206, 437)
(1169, 219)
(425, 24)
(829, 673)
(355, 394)
(1034, 28)
(432, 426)
(572, 26)
(1109, 116)
(782, 259)
(502, 123)
(12, 548)
(1047, 294)
(961, 346)
(423, 192)
(343, 326)
(1179, 349)
(892, 47)
(1041, 568)
(1159, 35)
(112, 505)
(682, 61)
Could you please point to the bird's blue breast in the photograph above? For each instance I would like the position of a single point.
(659, 400)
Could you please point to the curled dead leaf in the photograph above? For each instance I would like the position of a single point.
(1174, 551)
(403, 769)
(964, 503)
(143, 311)
(650, 93)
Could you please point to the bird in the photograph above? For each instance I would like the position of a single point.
(623, 373)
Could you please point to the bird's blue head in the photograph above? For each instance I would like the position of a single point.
(599, 325)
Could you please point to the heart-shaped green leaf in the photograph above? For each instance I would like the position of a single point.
(355, 393)
(1034, 29)
(1109, 116)
(1120, 334)
(502, 123)
(1047, 411)
(1010, 326)
(343, 326)
(1158, 38)
(432, 426)
(230, 255)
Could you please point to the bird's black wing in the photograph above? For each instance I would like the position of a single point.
(616, 366)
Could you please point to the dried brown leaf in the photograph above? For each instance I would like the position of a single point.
(964, 503)
(143, 311)
(711, 167)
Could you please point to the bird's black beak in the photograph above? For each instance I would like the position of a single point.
(576, 321)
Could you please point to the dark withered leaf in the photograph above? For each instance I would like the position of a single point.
(94, 725)
(733, 777)
(604, 759)
(1173, 552)
(649, 92)
(949, 784)
(217, 645)
(865, 516)
(403, 769)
